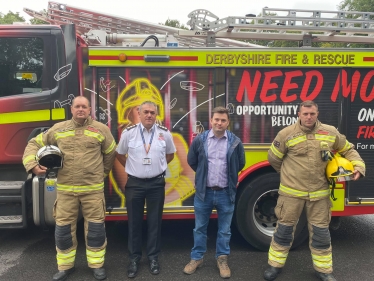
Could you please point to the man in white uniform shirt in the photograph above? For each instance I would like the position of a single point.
(144, 150)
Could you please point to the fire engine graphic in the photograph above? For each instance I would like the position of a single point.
(197, 129)
(176, 74)
(105, 85)
(191, 86)
(103, 115)
(231, 108)
(179, 182)
(60, 104)
(63, 72)
(173, 103)
(100, 96)
(196, 108)
(124, 81)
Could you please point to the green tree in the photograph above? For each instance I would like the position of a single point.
(38, 21)
(174, 23)
(357, 5)
(10, 17)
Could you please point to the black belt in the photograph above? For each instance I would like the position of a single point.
(216, 188)
(147, 179)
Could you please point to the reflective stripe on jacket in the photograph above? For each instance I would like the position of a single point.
(296, 154)
(88, 151)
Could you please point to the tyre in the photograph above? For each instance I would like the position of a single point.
(255, 217)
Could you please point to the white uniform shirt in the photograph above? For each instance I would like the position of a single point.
(131, 143)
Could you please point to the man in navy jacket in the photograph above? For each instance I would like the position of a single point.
(217, 156)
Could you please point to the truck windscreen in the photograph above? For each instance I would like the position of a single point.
(21, 65)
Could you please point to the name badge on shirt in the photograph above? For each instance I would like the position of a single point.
(147, 161)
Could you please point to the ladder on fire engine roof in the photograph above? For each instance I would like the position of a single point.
(285, 24)
(104, 29)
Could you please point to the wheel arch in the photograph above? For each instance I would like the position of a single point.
(251, 173)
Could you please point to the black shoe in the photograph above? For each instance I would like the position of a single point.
(325, 276)
(272, 273)
(99, 273)
(62, 275)
(132, 269)
(154, 267)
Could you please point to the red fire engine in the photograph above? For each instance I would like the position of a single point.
(118, 63)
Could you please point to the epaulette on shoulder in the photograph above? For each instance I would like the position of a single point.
(131, 127)
(162, 127)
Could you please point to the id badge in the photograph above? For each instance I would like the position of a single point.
(147, 161)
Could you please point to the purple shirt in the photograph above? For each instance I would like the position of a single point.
(217, 161)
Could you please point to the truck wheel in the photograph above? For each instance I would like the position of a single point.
(255, 218)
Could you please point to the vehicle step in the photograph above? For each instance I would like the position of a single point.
(11, 219)
(11, 184)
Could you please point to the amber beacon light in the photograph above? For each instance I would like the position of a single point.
(122, 57)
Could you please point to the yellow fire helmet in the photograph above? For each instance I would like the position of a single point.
(137, 92)
(339, 167)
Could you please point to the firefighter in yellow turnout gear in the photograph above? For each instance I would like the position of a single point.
(88, 149)
(298, 153)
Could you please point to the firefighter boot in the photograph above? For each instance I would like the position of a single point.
(99, 273)
(62, 275)
(224, 270)
(272, 273)
(325, 276)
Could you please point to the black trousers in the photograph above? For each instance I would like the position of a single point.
(138, 193)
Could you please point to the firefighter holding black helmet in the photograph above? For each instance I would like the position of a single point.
(301, 153)
(88, 150)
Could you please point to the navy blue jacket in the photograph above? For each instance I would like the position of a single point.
(197, 158)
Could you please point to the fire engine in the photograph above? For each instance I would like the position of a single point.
(118, 62)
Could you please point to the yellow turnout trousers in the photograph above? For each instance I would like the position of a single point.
(288, 211)
(65, 212)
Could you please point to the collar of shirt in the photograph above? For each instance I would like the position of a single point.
(211, 134)
(143, 128)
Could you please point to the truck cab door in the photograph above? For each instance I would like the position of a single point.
(27, 60)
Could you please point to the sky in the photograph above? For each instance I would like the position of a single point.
(154, 11)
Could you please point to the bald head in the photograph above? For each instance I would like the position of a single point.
(80, 109)
(79, 98)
